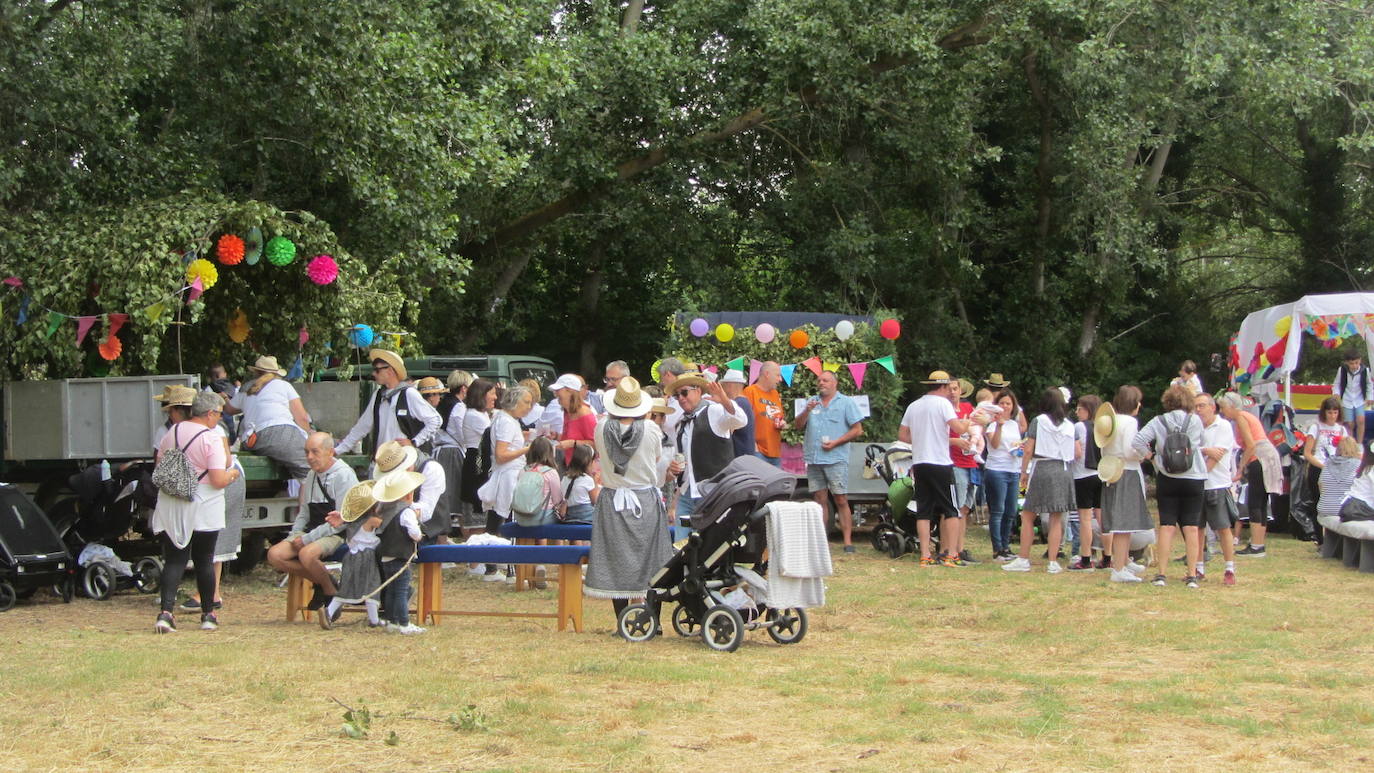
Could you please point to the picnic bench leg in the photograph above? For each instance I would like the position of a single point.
(570, 596)
(295, 598)
(431, 592)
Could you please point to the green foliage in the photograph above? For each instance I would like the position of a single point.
(357, 723)
(469, 719)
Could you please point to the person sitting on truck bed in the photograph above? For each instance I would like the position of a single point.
(409, 419)
(312, 541)
(274, 419)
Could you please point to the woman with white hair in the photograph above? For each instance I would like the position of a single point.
(1260, 466)
(508, 451)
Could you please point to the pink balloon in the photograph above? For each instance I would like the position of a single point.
(765, 333)
(699, 327)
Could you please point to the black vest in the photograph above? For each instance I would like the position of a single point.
(409, 425)
(710, 452)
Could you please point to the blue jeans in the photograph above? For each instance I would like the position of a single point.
(396, 596)
(687, 505)
(776, 461)
(1002, 490)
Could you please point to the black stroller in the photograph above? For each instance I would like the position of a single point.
(892, 464)
(111, 512)
(32, 556)
(728, 529)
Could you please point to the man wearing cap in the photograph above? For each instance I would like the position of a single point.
(312, 541)
(733, 384)
(766, 405)
(926, 426)
(395, 412)
(1219, 508)
(703, 434)
(831, 420)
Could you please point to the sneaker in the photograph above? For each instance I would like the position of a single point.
(382, 624)
(967, 557)
(478, 570)
(409, 629)
(1124, 576)
(1158, 580)
(1102, 563)
(1134, 568)
(165, 623)
(209, 622)
(1054, 568)
(950, 561)
(1229, 578)
(327, 620)
(1081, 565)
(541, 574)
(1200, 575)
(193, 604)
(849, 548)
(1002, 556)
(319, 599)
(494, 577)
(928, 561)
(1190, 582)
(1017, 564)
(1251, 551)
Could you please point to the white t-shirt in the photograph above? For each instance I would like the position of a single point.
(1353, 396)
(928, 421)
(1080, 466)
(1220, 434)
(1363, 488)
(1052, 442)
(581, 491)
(269, 408)
(1328, 438)
(474, 424)
(1000, 457)
(1192, 382)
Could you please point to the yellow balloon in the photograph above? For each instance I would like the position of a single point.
(724, 332)
(1282, 327)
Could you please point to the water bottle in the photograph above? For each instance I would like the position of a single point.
(104, 470)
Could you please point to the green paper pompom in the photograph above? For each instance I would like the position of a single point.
(280, 251)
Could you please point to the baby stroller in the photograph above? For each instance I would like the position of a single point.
(32, 556)
(892, 464)
(96, 526)
(728, 528)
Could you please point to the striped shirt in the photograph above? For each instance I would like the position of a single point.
(1336, 479)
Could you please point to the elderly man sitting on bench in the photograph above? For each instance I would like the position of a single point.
(312, 541)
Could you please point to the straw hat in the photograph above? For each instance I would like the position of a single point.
(267, 364)
(175, 394)
(965, 387)
(691, 378)
(430, 385)
(1109, 468)
(394, 485)
(357, 501)
(938, 378)
(392, 456)
(997, 382)
(660, 405)
(1104, 424)
(628, 401)
(390, 358)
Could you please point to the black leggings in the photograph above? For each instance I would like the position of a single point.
(201, 549)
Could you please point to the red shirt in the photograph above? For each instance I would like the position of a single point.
(580, 428)
(960, 458)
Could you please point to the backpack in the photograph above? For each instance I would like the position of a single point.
(1177, 454)
(1092, 455)
(530, 499)
(173, 474)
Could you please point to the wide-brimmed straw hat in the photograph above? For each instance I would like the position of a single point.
(357, 501)
(1109, 468)
(390, 358)
(175, 394)
(965, 387)
(1104, 424)
(394, 485)
(266, 364)
(938, 378)
(392, 456)
(660, 405)
(997, 382)
(430, 385)
(691, 378)
(628, 401)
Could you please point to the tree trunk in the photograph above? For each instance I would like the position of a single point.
(1042, 174)
(629, 22)
(588, 301)
(496, 296)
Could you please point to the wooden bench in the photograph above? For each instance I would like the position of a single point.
(298, 593)
(554, 533)
(568, 558)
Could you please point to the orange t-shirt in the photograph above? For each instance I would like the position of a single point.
(767, 407)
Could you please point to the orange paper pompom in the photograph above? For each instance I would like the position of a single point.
(110, 348)
(230, 250)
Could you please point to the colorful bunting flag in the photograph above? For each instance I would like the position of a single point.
(154, 312)
(736, 364)
(833, 367)
(713, 370)
(786, 372)
(116, 321)
(54, 322)
(23, 311)
(754, 367)
(886, 362)
(857, 370)
(302, 337)
(813, 364)
(297, 369)
(14, 281)
(83, 326)
(196, 289)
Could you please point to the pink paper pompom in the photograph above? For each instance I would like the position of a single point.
(322, 270)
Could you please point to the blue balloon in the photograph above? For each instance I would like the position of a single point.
(361, 336)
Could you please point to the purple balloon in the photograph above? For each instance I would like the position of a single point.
(699, 327)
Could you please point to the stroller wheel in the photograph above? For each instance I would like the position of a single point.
(723, 628)
(147, 575)
(684, 622)
(7, 597)
(637, 623)
(877, 536)
(895, 545)
(787, 626)
(98, 581)
(65, 589)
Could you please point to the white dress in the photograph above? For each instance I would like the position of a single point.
(497, 492)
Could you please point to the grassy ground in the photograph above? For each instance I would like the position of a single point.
(904, 668)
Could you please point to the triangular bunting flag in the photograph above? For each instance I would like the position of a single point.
(857, 370)
(117, 321)
(396, 341)
(713, 370)
(786, 372)
(14, 281)
(154, 312)
(83, 326)
(302, 337)
(54, 322)
(196, 289)
(813, 365)
(833, 367)
(736, 364)
(23, 311)
(886, 362)
(297, 369)
(754, 367)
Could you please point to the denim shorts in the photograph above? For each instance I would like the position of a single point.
(834, 476)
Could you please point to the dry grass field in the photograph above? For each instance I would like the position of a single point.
(904, 669)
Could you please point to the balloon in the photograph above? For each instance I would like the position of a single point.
(1282, 327)
(765, 333)
(799, 339)
(360, 335)
(844, 329)
(699, 327)
(724, 332)
(890, 329)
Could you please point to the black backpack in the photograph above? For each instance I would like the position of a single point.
(1091, 453)
(1176, 456)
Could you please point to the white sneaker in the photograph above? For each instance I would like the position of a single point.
(1124, 576)
(494, 577)
(1054, 568)
(1135, 568)
(478, 570)
(1017, 564)
(408, 629)
(448, 565)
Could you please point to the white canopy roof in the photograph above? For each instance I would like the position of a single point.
(1259, 328)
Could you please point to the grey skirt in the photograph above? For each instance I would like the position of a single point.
(1123, 504)
(359, 575)
(285, 445)
(1050, 489)
(231, 536)
(628, 548)
(450, 458)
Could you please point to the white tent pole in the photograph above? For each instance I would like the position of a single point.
(1288, 388)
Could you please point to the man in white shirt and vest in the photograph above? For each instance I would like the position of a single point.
(396, 411)
(703, 432)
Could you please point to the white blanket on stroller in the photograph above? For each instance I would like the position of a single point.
(799, 555)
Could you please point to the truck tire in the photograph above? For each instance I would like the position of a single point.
(252, 551)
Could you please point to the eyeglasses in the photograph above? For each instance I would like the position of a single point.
(609, 380)
(380, 366)
(683, 392)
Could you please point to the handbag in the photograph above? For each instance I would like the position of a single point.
(174, 474)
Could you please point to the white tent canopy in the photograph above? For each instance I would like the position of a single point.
(1261, 327)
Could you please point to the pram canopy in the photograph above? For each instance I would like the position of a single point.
(24, 529)
(748, 483)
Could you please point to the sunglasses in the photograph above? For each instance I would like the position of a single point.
(683, 392)
(380, 366)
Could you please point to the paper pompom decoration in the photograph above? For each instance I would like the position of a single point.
(238, 327)
(765, 333)
(799, 339)
(110, 348)
(653, 371)
(890, 329)
(699, 327)
(203, 270)
(229, 249)
(360, 335)
(322, 270)
(280, 251)
(844, 330)
(252, 246)
(1282, 327)
(725, 332)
